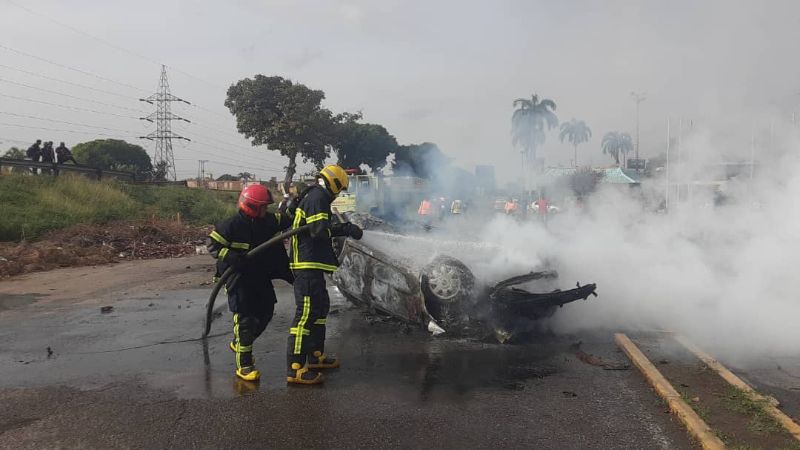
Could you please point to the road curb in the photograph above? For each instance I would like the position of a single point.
(696, 426)
(771, 404)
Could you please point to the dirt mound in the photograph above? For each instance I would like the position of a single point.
(88, 244)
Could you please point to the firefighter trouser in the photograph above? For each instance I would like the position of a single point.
(252, 302)
(307, 333)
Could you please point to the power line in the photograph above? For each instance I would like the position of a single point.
(264, 162)
(110, 44)
(213, 127)
(62, 121)
(74, 108)
(212, 112)
(20, 52)
(248, 167)
(230, 136)
(252, 160)
(99, 77)
(65, 81)
(76, 30)
(228, 144)
(70, 96)
(217, 155)
(4, 139)
(65, 131)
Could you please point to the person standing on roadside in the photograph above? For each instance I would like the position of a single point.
(63, 154)
(34, 153)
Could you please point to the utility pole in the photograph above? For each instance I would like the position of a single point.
(752, 151)
(163, 117)
(202, 171)
(638, 97)
(666, 172)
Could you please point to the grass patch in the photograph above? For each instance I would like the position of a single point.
(194, 205)
(34, 205)
(761, 422)
(701, 410)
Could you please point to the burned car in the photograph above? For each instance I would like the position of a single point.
(428, 281)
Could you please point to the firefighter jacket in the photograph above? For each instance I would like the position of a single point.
(241, 234)
(313, 250)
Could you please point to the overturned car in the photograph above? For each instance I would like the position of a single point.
(419, 279)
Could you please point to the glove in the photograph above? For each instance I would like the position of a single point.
(346, 229)
(353, 230)
(236, 260)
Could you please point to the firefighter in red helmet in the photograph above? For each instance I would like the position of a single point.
(251, 298)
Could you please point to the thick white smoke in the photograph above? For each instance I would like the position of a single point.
(724, 275)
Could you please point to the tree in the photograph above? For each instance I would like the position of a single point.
(15, 153)
(114, 154)
(159, 172)
(246, 176)
(285, 116)
(421, 160)
(584, 181)
(528, 124)
(576, 132)
(363, 143)
(616, 143)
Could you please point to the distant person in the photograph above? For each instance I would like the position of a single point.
(252, 298)
(48, 154)
(542, 206)
(455, 207)
(284, 203)
(511, 207)
(63, 154)
(425, 209)
(34, 153)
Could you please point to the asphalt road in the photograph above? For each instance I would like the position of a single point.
(122, 380)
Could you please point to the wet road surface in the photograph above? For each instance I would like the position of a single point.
(125, 379)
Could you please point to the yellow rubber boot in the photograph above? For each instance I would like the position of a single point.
(319, 360)
(248, 373)
(232, 346)
(299, 374)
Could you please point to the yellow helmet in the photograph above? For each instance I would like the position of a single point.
(335, 177)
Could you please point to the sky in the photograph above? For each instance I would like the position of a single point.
(440, 71)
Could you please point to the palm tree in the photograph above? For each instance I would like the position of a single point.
(528, 124)
(576, 132)
(616, 143)
(246, 176)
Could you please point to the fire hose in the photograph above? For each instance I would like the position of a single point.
(231, 274)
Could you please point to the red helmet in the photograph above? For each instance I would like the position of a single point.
(253, 198)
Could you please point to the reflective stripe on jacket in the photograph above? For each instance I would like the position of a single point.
(313, 250)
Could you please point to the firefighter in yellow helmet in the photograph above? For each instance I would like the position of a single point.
(311, 256)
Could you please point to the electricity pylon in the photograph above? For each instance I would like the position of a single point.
(163, 117)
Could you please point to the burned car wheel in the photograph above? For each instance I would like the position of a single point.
(447, 280)
(446, 284)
